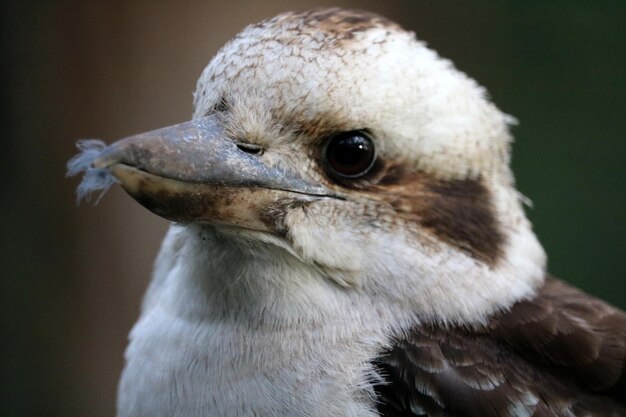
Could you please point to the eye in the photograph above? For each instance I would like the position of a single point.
(350, 154)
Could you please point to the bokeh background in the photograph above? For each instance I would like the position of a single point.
(72, 277)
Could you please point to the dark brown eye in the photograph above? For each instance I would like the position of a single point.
(350, 154)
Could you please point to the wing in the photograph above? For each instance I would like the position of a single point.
(562, 353)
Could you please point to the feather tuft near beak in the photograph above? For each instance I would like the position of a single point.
(94, 179)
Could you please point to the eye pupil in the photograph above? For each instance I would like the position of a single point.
(350, 154)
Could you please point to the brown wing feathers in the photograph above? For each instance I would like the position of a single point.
(560, 354)
(582, 336)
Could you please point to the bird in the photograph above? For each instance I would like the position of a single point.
(347, 240)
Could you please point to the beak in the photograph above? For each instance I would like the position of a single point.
(193, 172)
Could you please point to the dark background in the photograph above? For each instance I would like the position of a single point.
(72, 277)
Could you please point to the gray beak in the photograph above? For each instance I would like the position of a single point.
(193, 172)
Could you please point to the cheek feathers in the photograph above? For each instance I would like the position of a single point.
(459, 212)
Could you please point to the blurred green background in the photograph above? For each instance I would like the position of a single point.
(72, 277)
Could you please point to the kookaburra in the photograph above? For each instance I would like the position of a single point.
(347, 240)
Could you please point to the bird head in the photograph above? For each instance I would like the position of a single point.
(340, 138)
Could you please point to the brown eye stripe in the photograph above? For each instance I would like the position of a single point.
(460, 212)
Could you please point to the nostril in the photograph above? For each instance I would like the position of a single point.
(250, 148)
